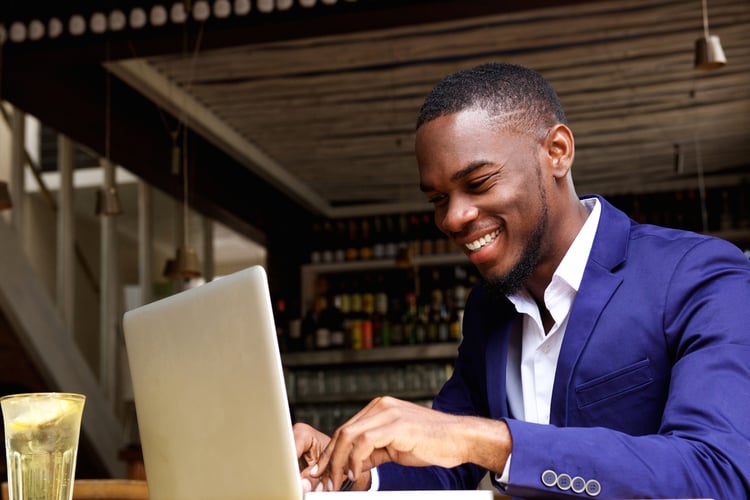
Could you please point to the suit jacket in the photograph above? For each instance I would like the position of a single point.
(651, 397)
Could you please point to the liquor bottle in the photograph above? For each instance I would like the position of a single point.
(352, 244)
(365, 235)
(390, 237)
(322, 325)
(426, 235)
(308, 327)
(342, 231)
(331, 321)
(422, 325)
(368, 311)
(316, 237)
(395, 321)
(355, 318)
(282, 325)
(414, 234)
(381, 334)
(295, 343)
(378, 239)
(409, 320)
(328, 242)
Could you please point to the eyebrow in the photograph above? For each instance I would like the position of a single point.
(464, 172)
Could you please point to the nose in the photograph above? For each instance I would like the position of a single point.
(457, 213)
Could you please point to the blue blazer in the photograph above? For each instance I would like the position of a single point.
(651, 397)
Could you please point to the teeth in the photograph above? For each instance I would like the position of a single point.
(484, 240)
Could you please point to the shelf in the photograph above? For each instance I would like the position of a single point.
(421, 352)
(735, 236)
(363, 397)
(375, 264)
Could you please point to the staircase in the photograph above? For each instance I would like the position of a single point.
(33, 317)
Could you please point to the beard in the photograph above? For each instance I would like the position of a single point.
(514, 280)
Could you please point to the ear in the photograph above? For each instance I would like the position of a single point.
(560, 148)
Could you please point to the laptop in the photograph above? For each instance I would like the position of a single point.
(211, 401)
(209, 392)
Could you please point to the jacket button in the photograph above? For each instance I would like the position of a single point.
(578, 485)
(593, 488)
(549, 478)
(563, 482)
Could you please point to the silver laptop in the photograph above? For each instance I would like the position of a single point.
(211, 401)
(209, 392)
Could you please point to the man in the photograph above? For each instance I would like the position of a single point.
(600, 357)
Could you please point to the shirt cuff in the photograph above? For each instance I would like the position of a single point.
(504, 478)
(374, 479)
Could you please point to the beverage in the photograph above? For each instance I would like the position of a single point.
(41, 442)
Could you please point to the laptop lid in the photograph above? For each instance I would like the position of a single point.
(209, 391)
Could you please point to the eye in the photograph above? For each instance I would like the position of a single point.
(478, 184)
(436, 199)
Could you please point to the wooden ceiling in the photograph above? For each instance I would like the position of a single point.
(320, 102)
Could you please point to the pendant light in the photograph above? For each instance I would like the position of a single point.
(5, 202)
(185, 264)
(708, 52)
(107, 197)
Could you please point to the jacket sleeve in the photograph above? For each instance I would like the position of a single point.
(701, 447)
(463, 394)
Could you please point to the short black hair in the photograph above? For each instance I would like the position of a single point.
(516, 97)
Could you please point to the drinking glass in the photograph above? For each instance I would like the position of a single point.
(41, 444)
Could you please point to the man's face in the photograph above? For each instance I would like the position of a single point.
(485, 185)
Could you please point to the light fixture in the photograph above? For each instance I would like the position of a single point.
(185, 265)
(5, 202)
(107, 198)
(708, 52)
(679, 160)
(108, 202)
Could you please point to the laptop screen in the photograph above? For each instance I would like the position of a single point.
(209, 391)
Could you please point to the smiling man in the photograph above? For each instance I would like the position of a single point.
(600, 357)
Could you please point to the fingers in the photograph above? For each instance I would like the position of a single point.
(357, 442)
(308, 442)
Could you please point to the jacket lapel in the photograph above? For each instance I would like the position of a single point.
(597, 286)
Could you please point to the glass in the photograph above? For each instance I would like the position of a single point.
(41, 444)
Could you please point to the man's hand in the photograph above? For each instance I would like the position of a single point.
(391, 430)
(310, 444)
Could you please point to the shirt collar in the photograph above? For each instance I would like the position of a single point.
(574, 263)
(571, 268)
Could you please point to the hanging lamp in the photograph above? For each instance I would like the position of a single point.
(708, 51)
(5, 201)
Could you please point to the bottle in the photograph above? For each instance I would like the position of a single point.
(409, 318)
(365, 236)
(378, 241)
(368, 311)
(395, 321)
(328, 242)
(355, 340)
(308, 327)
(352, 243)
(282, 324)
(391, 237)
(316, 237)
(339, 254)
(414, 235)
(322, 326)
(381, 330)
(426, 235)
(295, 342)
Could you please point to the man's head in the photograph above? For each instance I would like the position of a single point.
(494, 155)
(516, 97)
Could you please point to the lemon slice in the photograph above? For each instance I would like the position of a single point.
(42, 413)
